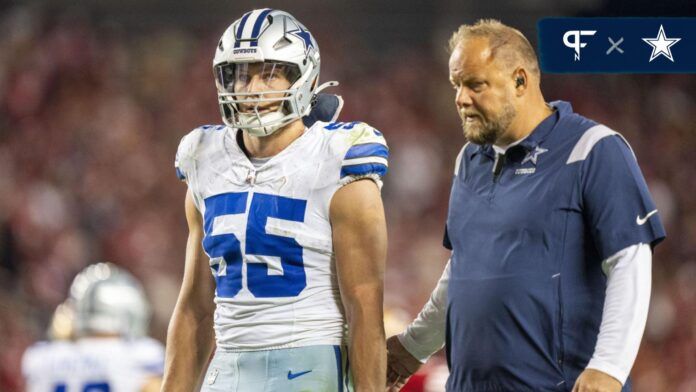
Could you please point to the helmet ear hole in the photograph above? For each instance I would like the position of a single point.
(286, 107)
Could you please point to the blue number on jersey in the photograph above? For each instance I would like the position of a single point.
(89, 387)
(341, 125)
(258, 242)
(226, 246)
(96, 387)
(293, 280)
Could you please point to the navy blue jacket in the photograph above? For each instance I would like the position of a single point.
(526, 289)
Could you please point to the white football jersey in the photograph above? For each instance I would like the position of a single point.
(92, 365)
(267, 230)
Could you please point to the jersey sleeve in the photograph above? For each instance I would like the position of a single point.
(616, 202)
(185, 154)
(366, 157)
(426, 334)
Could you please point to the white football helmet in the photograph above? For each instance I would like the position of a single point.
(280, 44)
(109, 300)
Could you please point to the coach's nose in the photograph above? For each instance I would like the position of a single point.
(463, 97)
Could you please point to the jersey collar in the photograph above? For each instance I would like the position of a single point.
(539, 133)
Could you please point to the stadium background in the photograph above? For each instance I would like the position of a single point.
(95, 97)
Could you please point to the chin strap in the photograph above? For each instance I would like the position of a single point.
(324, 86)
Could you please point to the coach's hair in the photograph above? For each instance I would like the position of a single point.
(507, 43)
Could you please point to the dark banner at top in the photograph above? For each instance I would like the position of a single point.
(617, 45)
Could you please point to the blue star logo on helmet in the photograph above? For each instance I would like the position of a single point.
(305, 36)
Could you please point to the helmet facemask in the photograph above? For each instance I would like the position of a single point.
(259, 97)
(277, 42)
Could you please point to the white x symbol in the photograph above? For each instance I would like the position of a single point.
(615, 45)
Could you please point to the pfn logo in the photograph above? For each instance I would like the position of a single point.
(576, 43)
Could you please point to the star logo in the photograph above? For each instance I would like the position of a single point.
(661, 45)
(304, 36)
(533, 155)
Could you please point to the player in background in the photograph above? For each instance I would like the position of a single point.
(99, 341)
(287, 215)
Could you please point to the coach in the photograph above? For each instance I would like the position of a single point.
(551, 228)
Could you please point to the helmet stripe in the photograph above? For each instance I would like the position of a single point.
(240, 28)
(258, 24)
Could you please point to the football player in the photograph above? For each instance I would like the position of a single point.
(288, 218)
(106, 316)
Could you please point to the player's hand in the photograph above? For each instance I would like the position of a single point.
(591, 380)
(400, 364)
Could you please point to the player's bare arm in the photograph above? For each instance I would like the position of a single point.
(360, 243)
(190, 336)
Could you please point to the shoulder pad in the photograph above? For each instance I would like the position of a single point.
(366, 154)
(325, 107)
(188, 146)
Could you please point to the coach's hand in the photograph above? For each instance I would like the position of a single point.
(592, 380)
(400, 364)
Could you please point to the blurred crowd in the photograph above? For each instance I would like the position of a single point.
(91, 115)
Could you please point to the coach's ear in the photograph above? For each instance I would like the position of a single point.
(521, 81)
